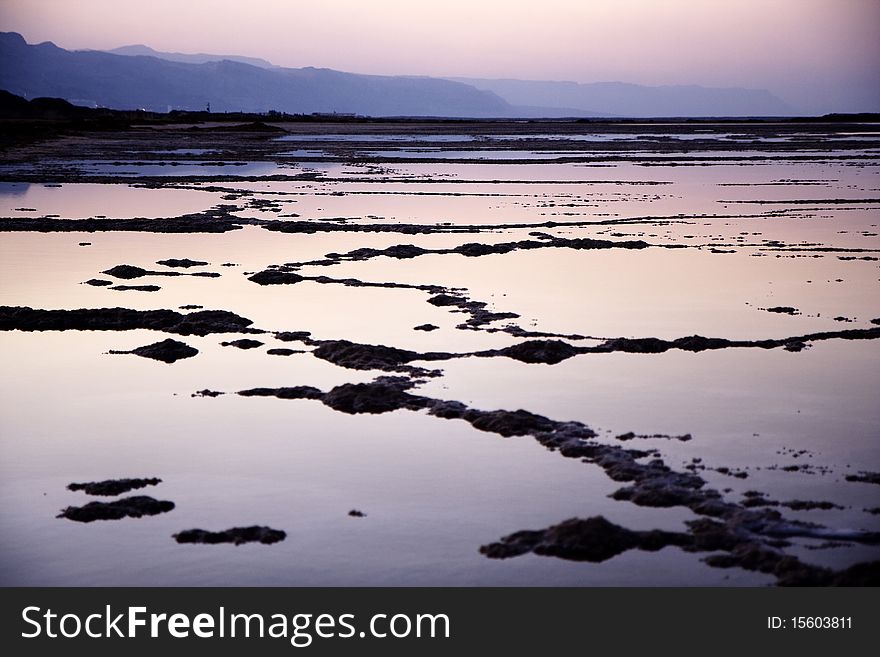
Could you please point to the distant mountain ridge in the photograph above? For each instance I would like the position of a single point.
(624, 99)
(140, 50)
(572, 99)
(94, 78)
(138, 77)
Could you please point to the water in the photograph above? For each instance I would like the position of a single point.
(331, 137)
(435, 490)
(85, 200)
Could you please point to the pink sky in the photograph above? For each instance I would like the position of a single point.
(798, 49)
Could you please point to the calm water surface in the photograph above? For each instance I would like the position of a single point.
(727, 241)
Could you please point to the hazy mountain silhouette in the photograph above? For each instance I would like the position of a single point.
(570, 99)
(96, 78)
(622, 99)
(141, 50)
(144, 78)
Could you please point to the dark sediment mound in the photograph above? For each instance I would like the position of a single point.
(594, 539)
(425, 327)
(637, 345)
(128, 272)
(200, 323)
(655, 484)
(699, 343)
(168, 351)
(113, 486)
(243, 343)
(477, 249)
(585, 243)
(380, 396)
(789, 570)
(809, 505)
(276, 277)
(279, 276)
(404, 251)
(293, 336)
(445, 300)
(293, 392)
(846, 334)
(99, 319)
(135, 288)
(696, 343)
(311, 227)
(196, 223)
(656, 345)
(753, 498)
(186, 263)
(865, 477)
(128, 507)
(98, 282)
(400, 251)
(236, 536)
(631, 435)
(207, 393)
(508, 423)
(539, 351)
(356, 356)
(204, 322)
(283, 352)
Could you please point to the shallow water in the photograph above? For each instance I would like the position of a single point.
(724, 243)
(84, 200)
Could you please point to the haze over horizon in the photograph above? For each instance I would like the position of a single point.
(817, 55)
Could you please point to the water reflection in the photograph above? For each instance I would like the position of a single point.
(436, 489)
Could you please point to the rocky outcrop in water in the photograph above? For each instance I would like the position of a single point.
(168, 351)
(235, 535)
(128, 507)
(113, 486)
(203, 322)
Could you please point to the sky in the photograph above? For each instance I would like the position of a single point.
(814, 54)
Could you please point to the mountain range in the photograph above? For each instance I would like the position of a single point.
(134, 77)
(622, 99)
(140, 50)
